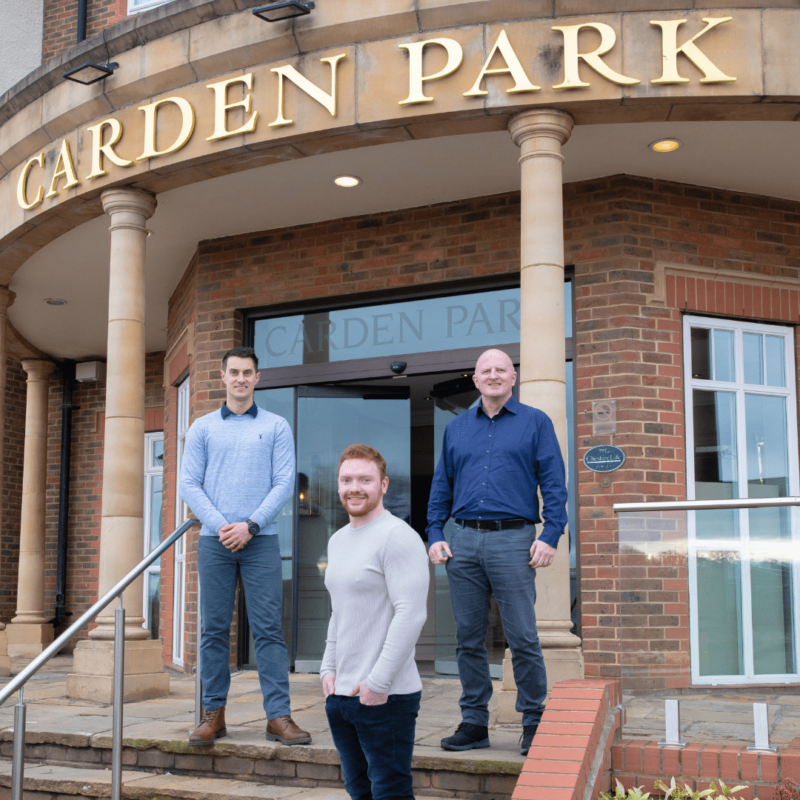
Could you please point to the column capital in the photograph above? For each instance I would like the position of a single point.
(128, 208)
(7, 298)
(549, 123)
(38, 368)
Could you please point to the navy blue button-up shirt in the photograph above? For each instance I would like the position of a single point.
(492, 468)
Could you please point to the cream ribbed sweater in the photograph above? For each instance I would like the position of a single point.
(377, 577)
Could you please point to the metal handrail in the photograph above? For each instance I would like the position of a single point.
(18, 682)
(707, 505)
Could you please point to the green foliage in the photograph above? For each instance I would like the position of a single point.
(674, 792)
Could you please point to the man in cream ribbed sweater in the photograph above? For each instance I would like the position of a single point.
(377, 577)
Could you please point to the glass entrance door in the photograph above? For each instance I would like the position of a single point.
(329, 419)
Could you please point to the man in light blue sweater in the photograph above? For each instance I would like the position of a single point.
(237, 471)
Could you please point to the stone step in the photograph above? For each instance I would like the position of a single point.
(51, 782)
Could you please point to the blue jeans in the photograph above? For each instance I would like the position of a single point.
(487, 563)
(259, 565)
(375, 744)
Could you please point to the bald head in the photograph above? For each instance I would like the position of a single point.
(494, 378)
(494, 356)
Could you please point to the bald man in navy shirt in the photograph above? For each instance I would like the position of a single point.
(495, 460)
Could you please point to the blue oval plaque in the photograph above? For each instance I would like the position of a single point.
(604, 458)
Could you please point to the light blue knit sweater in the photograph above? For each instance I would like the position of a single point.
(237, 468)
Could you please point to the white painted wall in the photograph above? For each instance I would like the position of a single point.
(21, 24)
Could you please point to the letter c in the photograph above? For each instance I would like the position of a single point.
(22, 186)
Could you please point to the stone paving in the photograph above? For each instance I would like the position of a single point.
(719, 716)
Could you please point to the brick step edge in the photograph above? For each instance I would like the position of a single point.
(48, 781)
(570, 758)
(641, 762)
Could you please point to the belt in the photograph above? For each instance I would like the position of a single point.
(493, 524)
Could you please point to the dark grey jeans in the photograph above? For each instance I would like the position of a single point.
(487, 563)
(259, 564)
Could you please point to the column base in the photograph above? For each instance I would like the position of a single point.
(93, 676)
(28, 639)
(5, 661)
(562, 664)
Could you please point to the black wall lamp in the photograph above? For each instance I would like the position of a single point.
(89, 72)
(286, 9)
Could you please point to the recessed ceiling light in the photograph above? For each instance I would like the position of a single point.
(55, 301)
(346, 181)
(665, 145)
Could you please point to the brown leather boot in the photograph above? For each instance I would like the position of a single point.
(212, 727)
(285, 731)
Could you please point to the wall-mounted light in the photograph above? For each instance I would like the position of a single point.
(347, 181)
(90, 72)
(665, 145)
(286, 9)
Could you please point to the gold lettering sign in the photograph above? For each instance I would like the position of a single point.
(22, 186)
(513, 67)
(150, 114)
(608, 37)
(99, 149)
(221, 106)
(64, 169)
(669, 46)
(415, 76)
(327, 101)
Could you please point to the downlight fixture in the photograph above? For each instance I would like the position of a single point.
(665, 145)
(347, 181)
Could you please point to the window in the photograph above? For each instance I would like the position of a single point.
(744, 566)
(153, 486)
(181, 515)
(136, 6)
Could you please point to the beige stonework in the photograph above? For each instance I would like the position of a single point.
(540, 135)
(93, 676)
(5, 660)
(29, 632)
(122, 504)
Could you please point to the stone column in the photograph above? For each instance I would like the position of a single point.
(539, 134)
(6, 299)
(122, 515)
(29, 632)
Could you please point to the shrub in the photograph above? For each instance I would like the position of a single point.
(787, 789)
(685, 792)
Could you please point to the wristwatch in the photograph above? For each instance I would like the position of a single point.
(253, 527)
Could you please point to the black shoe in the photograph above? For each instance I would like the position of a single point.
(528, 732)
(467, 737)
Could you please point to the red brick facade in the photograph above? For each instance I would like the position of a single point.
(631, 241)
(61, 22)
(86, 483)
(13, 438)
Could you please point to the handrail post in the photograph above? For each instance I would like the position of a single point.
(18, 761)
(119, 693)
(198, 684)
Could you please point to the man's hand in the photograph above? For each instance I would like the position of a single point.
(328, 684)
(542, 554)
(439, 552)
(234, 535)
(368, 697)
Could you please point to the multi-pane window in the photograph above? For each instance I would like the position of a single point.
(744, 565)
(153, 487)
(181, 515)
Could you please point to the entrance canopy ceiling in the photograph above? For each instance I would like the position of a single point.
(754, 157)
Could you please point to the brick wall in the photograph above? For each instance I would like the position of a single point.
(86, 484)
(13, 440)
(61, 22)
(619, 231)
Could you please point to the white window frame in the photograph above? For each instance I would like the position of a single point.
(137, 6)
(181, 515)
(741, 545)
(150, 471)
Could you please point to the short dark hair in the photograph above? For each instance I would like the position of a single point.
(358, 451)
(240, 352)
